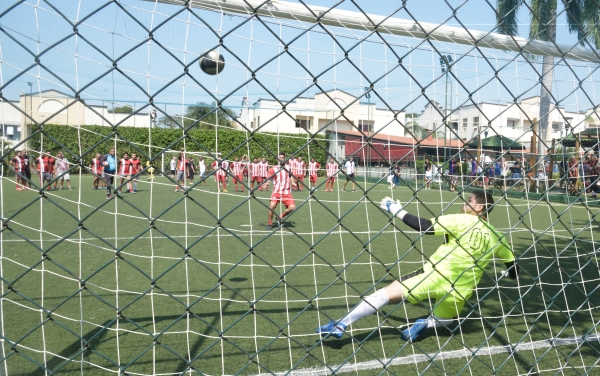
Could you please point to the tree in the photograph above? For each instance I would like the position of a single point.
(582, 17)
(121, 110)
(204, 115)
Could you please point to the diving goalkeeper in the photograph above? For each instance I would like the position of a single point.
(451, 273)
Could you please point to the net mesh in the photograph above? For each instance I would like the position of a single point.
(426, 99)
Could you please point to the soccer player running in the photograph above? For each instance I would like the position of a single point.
(450, 275)
(350, 167)
(135, 171)
(110, 168)
(281, 190)
(332, 171)
(313, 168)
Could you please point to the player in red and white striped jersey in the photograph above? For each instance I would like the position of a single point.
(281, 190)
(292, 163)
(222, 169)
(300, 172)
(97, 169)
(332, 171)
(238, 173)
(255, 174)
(313, 168)
(125, 171)
(264, 174)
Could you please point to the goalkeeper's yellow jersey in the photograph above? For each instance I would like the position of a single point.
(471, 244)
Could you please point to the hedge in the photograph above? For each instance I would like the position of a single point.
(258, 145)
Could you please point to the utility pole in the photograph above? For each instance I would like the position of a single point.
(446, 62)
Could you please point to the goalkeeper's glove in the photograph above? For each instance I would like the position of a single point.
(394, 207)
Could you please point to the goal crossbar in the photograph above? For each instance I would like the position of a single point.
(395, 26)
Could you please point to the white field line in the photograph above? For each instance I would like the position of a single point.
(422, 358)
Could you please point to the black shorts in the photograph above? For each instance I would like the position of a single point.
(27, 174)
(173, 172)
(350, 177)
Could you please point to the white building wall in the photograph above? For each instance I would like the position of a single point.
(322, 115)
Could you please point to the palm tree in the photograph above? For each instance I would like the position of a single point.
(583, 17)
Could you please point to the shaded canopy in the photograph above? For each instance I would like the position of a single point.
(496, 143)
(588, 138)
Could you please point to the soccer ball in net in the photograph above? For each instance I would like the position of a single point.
(212, 62)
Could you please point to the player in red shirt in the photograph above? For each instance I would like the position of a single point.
(124, 172)
(221, 173)
(255, 174)
(96, 169)
(313, 168)
(19, 167)
(238, 173)
(181, 172)
(264, 174)
(300, 173)
(332, 171)
(135, 171)
(44, 165)
(281, 190)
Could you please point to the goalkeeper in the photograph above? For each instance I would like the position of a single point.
(451, 273)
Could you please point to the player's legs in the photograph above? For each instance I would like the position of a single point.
(224, 183)
(272, 207)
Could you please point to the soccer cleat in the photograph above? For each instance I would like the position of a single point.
(108, 197)
(412, 333)
(269, 227)
(279, 223)
(224, 190)
(332, 329)
(135, 191)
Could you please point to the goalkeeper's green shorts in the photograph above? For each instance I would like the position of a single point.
(419, 286)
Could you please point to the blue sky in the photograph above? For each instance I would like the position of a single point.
(36, 25)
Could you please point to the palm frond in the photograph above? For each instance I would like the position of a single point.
(506, 16)
(591, 21)
(543, 20)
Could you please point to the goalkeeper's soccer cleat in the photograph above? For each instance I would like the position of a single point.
(412, 333)
(332, 329)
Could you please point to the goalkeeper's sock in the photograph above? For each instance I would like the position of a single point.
(436, 322)
(367, 307)
(135, 186)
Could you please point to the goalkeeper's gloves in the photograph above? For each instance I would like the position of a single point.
(394, 207)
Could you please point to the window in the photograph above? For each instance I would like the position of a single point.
(465, 123)
(304, 122)
(476, 123)
(365, 125)
(512, 123)
(556, 127)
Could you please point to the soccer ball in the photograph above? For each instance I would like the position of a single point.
(212, 62)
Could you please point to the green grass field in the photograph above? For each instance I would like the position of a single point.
(158, 282)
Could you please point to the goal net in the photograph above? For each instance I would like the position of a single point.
(139, 229)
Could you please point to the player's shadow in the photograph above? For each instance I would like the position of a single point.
(338, 344)
(289, 224)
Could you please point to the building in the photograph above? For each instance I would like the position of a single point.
(320, 114)
(509, 120)
(55, 107)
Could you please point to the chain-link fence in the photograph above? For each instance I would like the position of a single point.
(206, 187)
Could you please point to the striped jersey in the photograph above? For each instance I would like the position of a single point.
(237, 168)
(332, 169)
(313, 167)
(19, 165)
(96, 165)
(281, 179)
(264, 169)
(300, 168)
(124, 166)
(255, 169)
(223, 168)
(182, 163)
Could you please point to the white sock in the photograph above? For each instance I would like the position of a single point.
(436, 322)
(367, 307)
